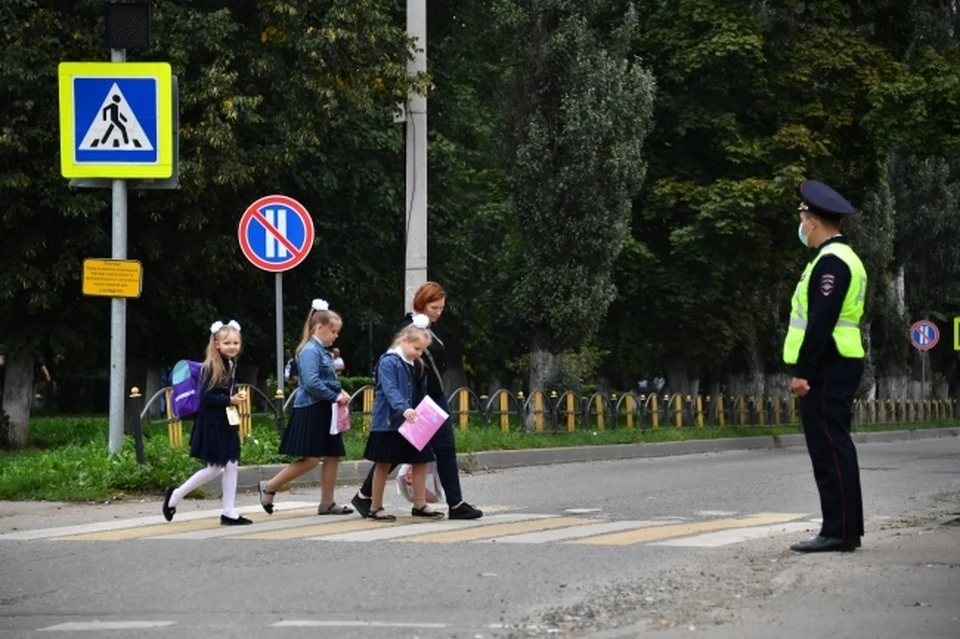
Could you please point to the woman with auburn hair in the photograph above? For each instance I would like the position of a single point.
(428, 305)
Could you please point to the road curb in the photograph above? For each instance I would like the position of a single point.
(353, 472)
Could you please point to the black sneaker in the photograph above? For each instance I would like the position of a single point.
(465, 511)
(239, 521)
(363, 505)
(168, 512)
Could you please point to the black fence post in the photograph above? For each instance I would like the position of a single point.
(135, 425)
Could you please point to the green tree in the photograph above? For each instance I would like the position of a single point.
(752, 99)
(578, 111)
(274, 96)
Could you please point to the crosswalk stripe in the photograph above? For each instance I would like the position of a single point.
(137, 522)
(333, 527)
(666, 532)
(497, 530)
(575, 532)
(735, 535)
(396, 532)
(277, 521)
(172, 527)
(297, 520)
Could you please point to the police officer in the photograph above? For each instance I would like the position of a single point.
(823, 343)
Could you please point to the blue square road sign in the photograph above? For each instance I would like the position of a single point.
(116, 120)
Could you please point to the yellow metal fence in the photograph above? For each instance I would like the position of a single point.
(569, 412)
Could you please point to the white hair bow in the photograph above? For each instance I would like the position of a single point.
(320, 305)
(216, 326)
(420, 320)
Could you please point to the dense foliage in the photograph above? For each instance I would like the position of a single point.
(610, 182)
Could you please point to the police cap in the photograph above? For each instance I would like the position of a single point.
(820, 199)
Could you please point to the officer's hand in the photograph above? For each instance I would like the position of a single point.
(799, 387)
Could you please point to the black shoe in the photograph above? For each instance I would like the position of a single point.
(239, 521)
(362, 505)
(429, 514)
(266, 505)
(825, 544)
(168, 512)
(465, 511)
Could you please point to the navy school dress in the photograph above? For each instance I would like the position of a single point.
(308, 432)
(212, 438)
(400, 385)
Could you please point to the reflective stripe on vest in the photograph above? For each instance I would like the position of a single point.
(846, 332)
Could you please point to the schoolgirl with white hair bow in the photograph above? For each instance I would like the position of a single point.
(215, 437)
(308, 437)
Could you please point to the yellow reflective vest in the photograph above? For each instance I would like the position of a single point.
(846, 334)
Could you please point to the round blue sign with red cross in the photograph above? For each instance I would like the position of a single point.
(276, 233)
(924, 335)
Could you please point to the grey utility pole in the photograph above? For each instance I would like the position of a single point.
(416, 192)
(118, 307)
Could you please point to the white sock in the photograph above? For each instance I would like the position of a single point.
(229, 484)
(198, 479)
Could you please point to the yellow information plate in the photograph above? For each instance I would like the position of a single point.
(956, 333)
(116, 120)
(112, 278)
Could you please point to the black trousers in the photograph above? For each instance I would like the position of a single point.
(445, 449)
(826, 412)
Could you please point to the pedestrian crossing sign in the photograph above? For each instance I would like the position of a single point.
(116, 120)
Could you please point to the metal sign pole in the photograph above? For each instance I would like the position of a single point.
(923, 375)
(280, 362)
(118, 305)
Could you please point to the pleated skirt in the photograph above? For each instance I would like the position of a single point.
(308, 433)
(214, 442)
(393, 448)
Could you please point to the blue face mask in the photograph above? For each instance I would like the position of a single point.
(805, 239)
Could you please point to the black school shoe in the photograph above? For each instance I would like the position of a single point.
(362, 505)
(239, 521)
(465, 511)
(167, 511)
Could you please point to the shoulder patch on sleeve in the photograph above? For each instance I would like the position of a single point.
(827, 284)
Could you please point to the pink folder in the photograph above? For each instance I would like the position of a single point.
(430, 418)
(340, 419)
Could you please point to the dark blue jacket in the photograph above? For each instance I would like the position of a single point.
(214, 400)
(397, 388)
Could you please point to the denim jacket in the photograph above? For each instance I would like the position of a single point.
(318, 381)
(394, 392)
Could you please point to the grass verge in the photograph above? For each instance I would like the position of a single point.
(68, 459)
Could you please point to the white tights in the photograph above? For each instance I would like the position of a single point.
(202, 476)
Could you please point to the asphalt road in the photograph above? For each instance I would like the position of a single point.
(680, 545)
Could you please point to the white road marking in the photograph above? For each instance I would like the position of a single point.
(389, 531)
(123, 524)
(73, 626)
(582, 511)
(734, 535)
(574, 532)
(310, 623)
(716, 513)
